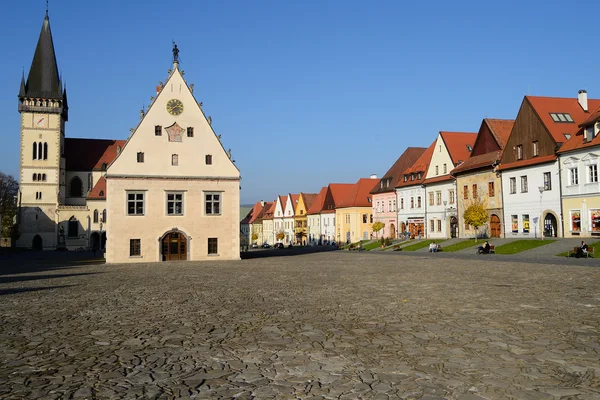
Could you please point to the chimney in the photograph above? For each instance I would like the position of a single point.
(373, 176)
(582, 99)
(262, 203)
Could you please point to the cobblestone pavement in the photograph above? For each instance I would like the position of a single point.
(336, 325)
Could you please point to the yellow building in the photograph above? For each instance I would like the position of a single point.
(354, 214)
(305, 200)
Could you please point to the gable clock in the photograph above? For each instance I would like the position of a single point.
(174, 107)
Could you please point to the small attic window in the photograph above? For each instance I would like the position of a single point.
(369, 199)
(419, 175)
(469, 148)
(412, 177)
(157, 130)
(561, 117)
(405, 178)
(104, 166)
(567, 136)
(381, 184)
(101, 194)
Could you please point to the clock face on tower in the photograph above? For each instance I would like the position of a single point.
(174, 107)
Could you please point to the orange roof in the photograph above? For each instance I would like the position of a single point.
(295, 198)
(247, 218)
(394, 174)
(501, 129)
(592, 118)
(317, 204)
(99, 190)
(438, 179)
(528, 162)
(257, 211)
(90, 154)
(336, 192)
(543, 106)
(359, 195)
(459, 145)
(576, 142)
(309, 198)
(421, 165)
(270, 210)
(476, 162)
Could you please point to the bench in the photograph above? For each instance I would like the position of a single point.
(492, 249)
(589, 253)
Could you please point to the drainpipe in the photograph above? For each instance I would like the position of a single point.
(425, 224)
(562, 225)
(502, 204)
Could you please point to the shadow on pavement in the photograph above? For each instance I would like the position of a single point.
(22, 278)
(30, 289)
(286, 252)
(38, 261)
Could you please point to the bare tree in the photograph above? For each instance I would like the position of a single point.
(9, 189)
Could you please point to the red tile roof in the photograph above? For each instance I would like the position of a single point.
(270, 210)
(283, 202)
(90, 154)
(394, 174)
(336, 192)
(595, 116)
(437, 179)
(576, 142)
(99, 190)
(459, 145)
(528, 162)
(359, 195)
(256, 211)
(247, 218)
(421, 165)
(309, 199)
(501, 129)
(317, 204)
(543, 106)
(477, 162)
(295, 198)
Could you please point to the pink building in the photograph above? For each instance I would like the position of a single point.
(384, 195)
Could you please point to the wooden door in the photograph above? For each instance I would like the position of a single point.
(495, 226)
(392, 231)
(174, 247)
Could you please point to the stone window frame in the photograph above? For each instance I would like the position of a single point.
(135, 201)
(209, 200)
(175, 200)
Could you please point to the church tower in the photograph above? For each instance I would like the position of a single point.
(44, 111)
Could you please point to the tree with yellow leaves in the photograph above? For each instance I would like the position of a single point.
(476, 214)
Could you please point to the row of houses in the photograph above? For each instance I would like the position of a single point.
(536, 176)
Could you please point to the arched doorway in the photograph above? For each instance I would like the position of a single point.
(95, 241)
(103, 240)
(37, 243)
(550, 226)
(392, 231)
(453, 227)
(174, 246)
(494, 226)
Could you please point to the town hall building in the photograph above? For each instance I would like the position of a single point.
(168, 192)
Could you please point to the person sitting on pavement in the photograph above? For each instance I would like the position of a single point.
(485, 249)
(433, 247)
(582, 250)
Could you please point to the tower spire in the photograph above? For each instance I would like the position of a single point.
(46, 8)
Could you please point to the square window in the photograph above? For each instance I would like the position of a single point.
(135, 247)
(208, 159)
(213, 246)
(140, 157)
(135, 203)
(175, 159)
(157, 130)
(212, 203)
(190, 132)
(174, 203)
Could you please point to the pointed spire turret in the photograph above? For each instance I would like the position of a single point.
(43, 80)
(22, 89)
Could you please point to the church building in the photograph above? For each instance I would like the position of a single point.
(168, 192)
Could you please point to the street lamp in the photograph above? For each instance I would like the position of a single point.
(540, 219)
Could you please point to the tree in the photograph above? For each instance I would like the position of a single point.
(377, 226)
(280, 235)
(9, 189)
(476, 214)
(254, 237)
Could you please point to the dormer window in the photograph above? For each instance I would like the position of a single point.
(101, 194)
(562, 117)
(405, 178)
(588, 134)
(567, 136)
(103, 166)
(419, 175)
(469, 148)
(381, 184)
(412, 177)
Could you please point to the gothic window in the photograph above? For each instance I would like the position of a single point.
(140, 157)
(90, 182)
(73, 230)
(101, 194)
(40, 151)
(208, 159)
(34, 177)
(104, 215)
(43, 177)
(95, 216)
(190, 132)
(35, 151)
(76, 187)
(45, 151)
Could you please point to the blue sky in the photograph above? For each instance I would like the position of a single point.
(305, 93)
